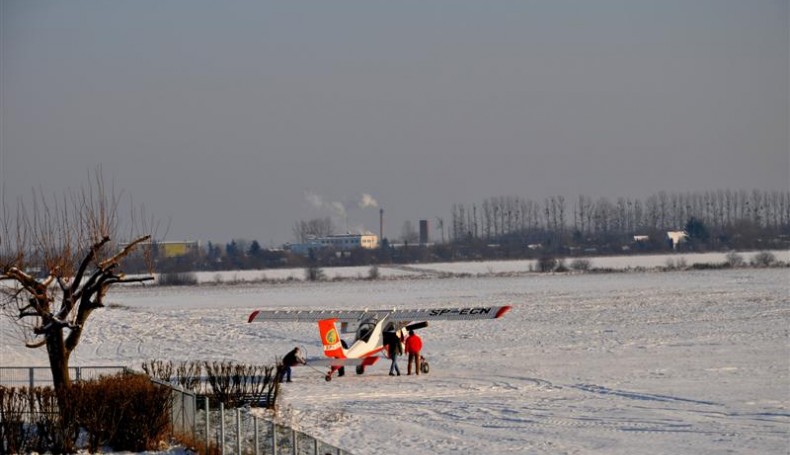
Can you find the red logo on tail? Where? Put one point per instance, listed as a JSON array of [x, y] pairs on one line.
[[332, 346]]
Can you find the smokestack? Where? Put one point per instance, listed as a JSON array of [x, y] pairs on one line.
[[423, 232], [381, 225]]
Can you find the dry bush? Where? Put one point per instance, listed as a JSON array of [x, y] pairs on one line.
[[188, 375], [50, 433], [228, 383], [195, 445], [159, 369], [735, 260], [147, 418], [99, 408], [13, 436], [124, 411], [177, 279], [29, 422], [764, 259], [237, 384], [581, 265], [547, 264]]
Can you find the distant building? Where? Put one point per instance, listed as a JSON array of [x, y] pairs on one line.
[[340, 242], [677, 237], [173, 249]]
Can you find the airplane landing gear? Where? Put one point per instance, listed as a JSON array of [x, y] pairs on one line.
[[341, 371], [360, 369]]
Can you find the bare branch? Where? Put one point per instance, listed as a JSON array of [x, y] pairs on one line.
[[37, 344], [86, 261], [124, 252]]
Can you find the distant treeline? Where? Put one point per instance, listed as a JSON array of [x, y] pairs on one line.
[[724, 214], [520, 228]]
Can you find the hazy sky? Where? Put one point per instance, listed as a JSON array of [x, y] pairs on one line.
[[235, 119]]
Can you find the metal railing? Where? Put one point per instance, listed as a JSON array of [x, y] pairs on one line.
[[233, 431], [238, 431], [42, 376]]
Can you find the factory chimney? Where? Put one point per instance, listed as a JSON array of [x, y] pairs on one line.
[[381, 225], [423, 232]]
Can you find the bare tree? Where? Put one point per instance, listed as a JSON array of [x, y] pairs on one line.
[[317, 227], [408, 233], [58, 259]]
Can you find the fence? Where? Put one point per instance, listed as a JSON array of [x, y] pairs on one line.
[[42, 376], [233, 431], [238, 431]]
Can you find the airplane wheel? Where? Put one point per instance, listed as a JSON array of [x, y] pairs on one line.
[[360, 369], [425, 368], [328, 377]]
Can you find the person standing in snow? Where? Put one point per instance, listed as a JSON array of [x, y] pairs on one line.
[[392, 344], [291, 359], [413, 348]]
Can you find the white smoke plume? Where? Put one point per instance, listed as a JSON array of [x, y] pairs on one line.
[[316, 200], [338, 209], [367, 201]]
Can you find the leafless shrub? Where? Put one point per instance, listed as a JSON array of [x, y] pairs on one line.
[[177, 279], [12, 426], [159, 369], [763, 259], [235, 384], [735, 260], [547, 264], [188, 375], [581, 265]]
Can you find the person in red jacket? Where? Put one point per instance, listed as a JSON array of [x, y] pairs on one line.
[[413, 348]]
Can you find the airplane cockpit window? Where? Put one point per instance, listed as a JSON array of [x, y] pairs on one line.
[[365, 330]]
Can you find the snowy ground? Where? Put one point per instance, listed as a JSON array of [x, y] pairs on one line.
[[623, 363]]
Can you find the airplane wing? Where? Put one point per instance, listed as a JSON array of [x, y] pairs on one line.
[[450, 313], [330, 362], [432, 314], [314, 315]]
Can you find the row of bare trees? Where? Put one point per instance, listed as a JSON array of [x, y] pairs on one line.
[[720, 211]]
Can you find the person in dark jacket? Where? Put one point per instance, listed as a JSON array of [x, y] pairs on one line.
[[393, 346], [413, 348], [291, 359]]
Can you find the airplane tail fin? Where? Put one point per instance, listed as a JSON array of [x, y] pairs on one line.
[[330, 339]]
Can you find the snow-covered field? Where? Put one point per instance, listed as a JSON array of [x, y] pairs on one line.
[[621, 363], [628, 262]]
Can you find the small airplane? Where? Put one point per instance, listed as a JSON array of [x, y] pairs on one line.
[[371, 328]]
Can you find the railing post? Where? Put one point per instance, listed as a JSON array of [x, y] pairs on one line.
[[238, 430], [222, 428], [315, 446], [257, 434], [208, 421], [32, 377], [274, 438], [295, 445]]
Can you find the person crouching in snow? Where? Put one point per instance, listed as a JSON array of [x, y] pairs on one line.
[[291, 359], [413, 348]]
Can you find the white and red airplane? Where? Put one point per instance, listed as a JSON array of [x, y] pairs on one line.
[[370, 327]]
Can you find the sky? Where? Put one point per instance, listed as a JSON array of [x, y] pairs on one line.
[[237, 119]]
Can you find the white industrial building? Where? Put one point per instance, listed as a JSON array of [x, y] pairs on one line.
[[340, 242]]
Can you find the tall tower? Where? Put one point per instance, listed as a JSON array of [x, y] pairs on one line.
[[423, 232], [381, 225]]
